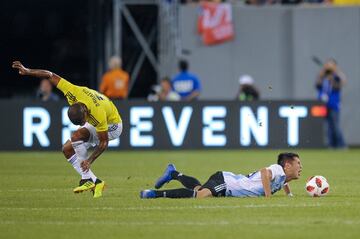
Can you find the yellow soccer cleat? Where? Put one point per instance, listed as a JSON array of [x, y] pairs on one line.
[[99, 188], [85, 186]]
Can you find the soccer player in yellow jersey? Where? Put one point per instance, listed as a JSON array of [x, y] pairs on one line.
[[99, 122]]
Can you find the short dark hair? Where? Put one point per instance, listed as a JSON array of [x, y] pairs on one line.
[[167, 79], [284, 157], [183, 65], [76, 114]]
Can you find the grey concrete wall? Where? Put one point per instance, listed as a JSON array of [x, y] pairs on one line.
[[275, 46], [329, 32]]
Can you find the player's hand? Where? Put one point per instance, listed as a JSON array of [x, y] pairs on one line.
[[22, 69], [85, 165]]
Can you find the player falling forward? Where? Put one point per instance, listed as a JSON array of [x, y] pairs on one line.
[[99, 123], [264, 182]]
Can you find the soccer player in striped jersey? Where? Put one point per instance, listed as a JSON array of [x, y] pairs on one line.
[[263, 182], [99, 122]]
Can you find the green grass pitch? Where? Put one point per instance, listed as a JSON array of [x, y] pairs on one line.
[[36, 199]]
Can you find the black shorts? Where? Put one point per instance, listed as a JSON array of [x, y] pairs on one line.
[[216, 184]]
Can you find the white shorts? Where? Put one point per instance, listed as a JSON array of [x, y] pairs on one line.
[[114, 132]]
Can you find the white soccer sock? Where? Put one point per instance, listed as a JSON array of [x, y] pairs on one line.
[[89, 174], [75, 163], [81, 155]]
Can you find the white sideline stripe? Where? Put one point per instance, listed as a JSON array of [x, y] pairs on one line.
[[176, 223], [176, 207]]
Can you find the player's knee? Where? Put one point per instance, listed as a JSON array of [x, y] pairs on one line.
[[76, 136], [81, 134], [68, 150]]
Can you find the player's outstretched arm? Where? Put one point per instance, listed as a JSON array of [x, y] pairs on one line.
[[287, 189], [265, 179], [44, 74]]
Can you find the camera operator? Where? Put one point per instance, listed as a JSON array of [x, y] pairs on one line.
[[329, 83]]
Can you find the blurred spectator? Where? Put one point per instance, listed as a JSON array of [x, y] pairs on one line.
[[166, 93], [115, 82], [329, 83], [44, 93], [247, 90], [163, 92], [154, 93], [187, 85]]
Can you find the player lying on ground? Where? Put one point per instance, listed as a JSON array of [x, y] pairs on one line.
[[99, 122], [226, 184]]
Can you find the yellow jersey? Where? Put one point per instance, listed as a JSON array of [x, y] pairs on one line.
[[102, 111]]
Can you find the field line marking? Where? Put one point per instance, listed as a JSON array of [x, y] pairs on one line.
[[150, 208], [184, 223]]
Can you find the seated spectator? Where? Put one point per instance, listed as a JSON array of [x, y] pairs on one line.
[[44, 93], [187, 85], [247, 90], [115, 82], [166, 93]]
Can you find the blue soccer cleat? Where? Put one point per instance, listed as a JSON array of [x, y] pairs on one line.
[[166, 177], [147, 194]]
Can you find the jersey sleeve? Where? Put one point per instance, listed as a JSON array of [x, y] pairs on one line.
[[64, 86], [276, 170]]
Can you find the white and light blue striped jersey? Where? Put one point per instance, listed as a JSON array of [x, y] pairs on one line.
[[251, 185]]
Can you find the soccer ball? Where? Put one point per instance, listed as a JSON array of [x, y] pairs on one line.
[[317, 186]]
